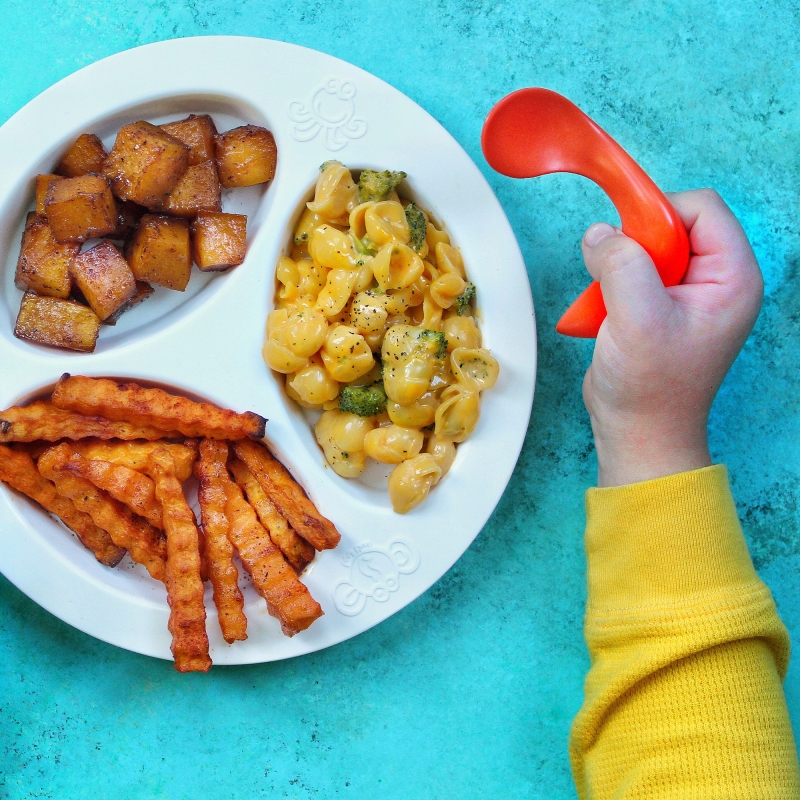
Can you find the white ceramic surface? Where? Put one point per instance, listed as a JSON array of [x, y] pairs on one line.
[[207, 341]]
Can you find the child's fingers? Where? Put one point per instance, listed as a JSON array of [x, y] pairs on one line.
[[707, 218], [632, 289], [720, 250]]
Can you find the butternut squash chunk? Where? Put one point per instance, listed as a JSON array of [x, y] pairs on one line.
[[245, 156], [104, 278], [145, 164], [43, 264], [197, 132], [42, 183], [198, 190], [56, 322], [160, 251], [219, 241], [80, 208], [87, 155]]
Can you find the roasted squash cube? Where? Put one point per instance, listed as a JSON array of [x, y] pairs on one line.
[[219, 241], [197, 190], [42, 182], [43, 264], [80, 208], [160, 251], [197, 132], [56, 322], [85, 156], [245, 156], [143, 291], [104, 278], [145, 164]]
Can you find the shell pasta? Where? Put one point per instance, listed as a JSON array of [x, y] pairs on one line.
[[374, 326]]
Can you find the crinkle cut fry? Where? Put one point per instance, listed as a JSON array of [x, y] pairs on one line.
[[19, 471], [287, 598], [154, 407], [142, 541], [210, 470], [42, 420], [287, 495], [136, 491], [297, 551], [187, 616], [134, 454]]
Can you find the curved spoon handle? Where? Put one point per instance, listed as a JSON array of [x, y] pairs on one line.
[[535, 132]]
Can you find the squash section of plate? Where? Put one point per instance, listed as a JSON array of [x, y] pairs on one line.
[[205, 341]]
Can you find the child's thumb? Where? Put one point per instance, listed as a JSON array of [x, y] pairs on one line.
[[632, 288]]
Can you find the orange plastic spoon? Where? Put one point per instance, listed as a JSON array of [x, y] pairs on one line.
[[535, 132]]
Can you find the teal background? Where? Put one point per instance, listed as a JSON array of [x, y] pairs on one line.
[[468, 692]]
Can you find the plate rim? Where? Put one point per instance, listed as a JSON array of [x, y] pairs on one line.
[[510, 457]]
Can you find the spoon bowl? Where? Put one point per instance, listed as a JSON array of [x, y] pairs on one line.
[[534, 132]]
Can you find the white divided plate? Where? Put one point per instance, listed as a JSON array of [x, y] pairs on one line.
[[207, 340]]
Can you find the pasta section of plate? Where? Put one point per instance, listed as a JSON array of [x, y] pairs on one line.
[[374, 326]]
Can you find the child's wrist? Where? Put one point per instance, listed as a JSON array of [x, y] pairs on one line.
[[635, 450]]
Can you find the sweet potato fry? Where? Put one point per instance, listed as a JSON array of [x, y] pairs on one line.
[[297, 551], [136, 491], [19, 471], [135, 454], [42, 420], [287, 496], [187, 618], [210, 470], [137, 536], [129, 401], [287, 598]]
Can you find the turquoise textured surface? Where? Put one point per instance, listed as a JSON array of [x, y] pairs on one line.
[[469, 692]]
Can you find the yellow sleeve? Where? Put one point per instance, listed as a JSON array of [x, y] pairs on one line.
[[683, 699]]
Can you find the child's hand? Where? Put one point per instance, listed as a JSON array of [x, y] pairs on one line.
[[661, 354]]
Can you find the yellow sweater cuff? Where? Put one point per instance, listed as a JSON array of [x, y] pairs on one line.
[[664, 542]]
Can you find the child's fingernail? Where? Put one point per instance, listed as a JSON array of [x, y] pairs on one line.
[[596, 233]]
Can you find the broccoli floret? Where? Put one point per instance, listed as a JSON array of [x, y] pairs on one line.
[[366, 401], [437, 339], [363, 246], [417, 224], [465, 298], [373, 185]]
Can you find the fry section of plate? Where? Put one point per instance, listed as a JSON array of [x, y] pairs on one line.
[[206, 341]]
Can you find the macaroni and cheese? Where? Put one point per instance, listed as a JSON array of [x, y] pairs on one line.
[[374, 326]]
